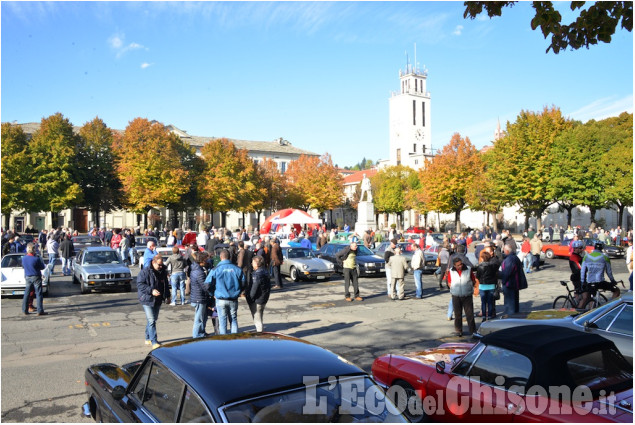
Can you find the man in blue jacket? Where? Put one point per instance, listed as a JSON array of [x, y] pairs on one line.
[[513, 280], [33, 266], [226, 278]]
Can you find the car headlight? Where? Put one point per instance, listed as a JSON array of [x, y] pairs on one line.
[[124, 275], [93, 276], [305, 267], [331, 266]]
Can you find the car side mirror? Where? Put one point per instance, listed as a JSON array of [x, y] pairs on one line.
[[118, 392], [589, 325], [440, 367]]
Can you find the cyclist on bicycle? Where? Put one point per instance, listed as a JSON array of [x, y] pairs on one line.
[[575, 262], [592, 271]]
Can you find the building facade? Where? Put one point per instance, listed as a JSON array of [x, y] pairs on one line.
[[279, 150]]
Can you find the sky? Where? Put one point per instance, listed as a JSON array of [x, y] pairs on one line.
[[318, 74]]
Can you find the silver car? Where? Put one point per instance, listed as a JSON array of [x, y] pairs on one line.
[[301, 263], [101, 268], [613, 320]]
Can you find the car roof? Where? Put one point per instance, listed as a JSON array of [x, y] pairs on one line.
[[548, 348], [97, 248], [228, 368]]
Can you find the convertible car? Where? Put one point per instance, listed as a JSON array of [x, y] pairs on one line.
[[301, 263], [613, 321], [250, 377], [562, 249], [525, 374]]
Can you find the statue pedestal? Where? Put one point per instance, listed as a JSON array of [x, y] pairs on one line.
[[365, 217]]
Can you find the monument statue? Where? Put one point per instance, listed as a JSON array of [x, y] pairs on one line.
[[366, 189]]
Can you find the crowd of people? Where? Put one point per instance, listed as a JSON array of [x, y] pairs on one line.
[[249, 267]]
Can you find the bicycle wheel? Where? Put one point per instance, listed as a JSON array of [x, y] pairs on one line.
[[562, 301]]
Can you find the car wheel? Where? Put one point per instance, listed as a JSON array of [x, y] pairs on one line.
[[549, 254], [83, 288], [75, 281], [294, 275], [411, 410], [562, 302]]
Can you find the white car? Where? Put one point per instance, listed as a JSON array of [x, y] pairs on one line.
[[13, 280]]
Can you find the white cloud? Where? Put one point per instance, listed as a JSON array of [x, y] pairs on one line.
[[458, 30], [117, 43], [604, 108], [146, 65]]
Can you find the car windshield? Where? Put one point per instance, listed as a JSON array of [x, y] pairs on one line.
[[362, 250], [322, 403], [591, 315], [12, 261], [86, 240], [299, 253], [101, 257]]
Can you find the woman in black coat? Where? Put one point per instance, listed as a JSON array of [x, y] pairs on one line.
[[257, 292]]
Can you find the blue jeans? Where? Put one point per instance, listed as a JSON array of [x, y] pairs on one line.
[[36, 282], [450, 309], [487, 304], [133, 255], [178, 279], [52, 258], [124, 254], [529, 259], [510, 302], [227, 308], [152, 315], [418, 274], [200, 320], [67, 266]]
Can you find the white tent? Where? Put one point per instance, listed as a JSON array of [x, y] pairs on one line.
[[296, 217]]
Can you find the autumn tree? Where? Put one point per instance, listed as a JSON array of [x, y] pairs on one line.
[[523, 161], [617, 163], [391, 186], [596, 23], [314, 182], [228, 176], [483, 195], [273, 183], [15, 171], [150, 166], [53, 180], [96, 168], [449, 176]]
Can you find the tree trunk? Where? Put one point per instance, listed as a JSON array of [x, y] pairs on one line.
[[457, 221], [223, 219], [526, 222], [593, 210], [96, 218], [145, 220], [538, 220], [569, 210], [7, 219], [620, 214]]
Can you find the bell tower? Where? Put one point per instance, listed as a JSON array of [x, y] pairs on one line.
[[409, 111]]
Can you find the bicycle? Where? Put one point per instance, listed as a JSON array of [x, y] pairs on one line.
[[570, 301]]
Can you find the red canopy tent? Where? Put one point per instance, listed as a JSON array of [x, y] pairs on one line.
[[269, 224]]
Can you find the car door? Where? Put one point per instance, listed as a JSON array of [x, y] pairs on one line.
[[284, 267], [482, 386]]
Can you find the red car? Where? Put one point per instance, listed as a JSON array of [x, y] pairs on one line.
[[533, 373]]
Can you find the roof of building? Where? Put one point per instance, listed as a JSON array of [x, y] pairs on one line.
[[279, 145], [357, 177]]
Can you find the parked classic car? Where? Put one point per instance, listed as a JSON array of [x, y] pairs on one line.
[[301, 263], [82, 241], [613, 321], [101, 268], [368, 263], [562, 249], [13, 280], [523, 374], [141, 243], [430, 263], [250, 377]]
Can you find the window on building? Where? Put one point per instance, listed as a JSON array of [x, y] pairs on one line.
[[414, 112], [283, 167], [416, 162], [416, 87], [414, 147], [398, 156], [423, 114]]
